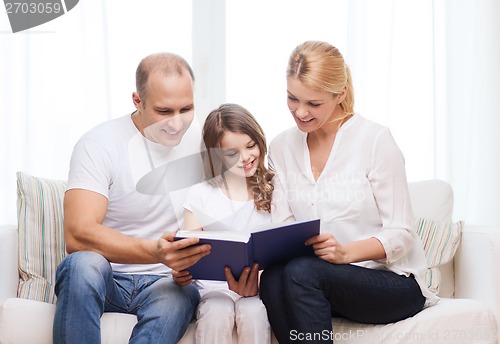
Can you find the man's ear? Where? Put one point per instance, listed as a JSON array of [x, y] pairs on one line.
[[137, 100]]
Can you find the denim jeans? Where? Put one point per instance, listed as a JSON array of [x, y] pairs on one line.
[[302, 296], [86, 286]]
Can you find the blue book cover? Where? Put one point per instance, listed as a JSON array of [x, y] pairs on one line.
[[275, 243]]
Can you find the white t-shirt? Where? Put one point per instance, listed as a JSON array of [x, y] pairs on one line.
[[144, 182], [216, 206], [361, 193]]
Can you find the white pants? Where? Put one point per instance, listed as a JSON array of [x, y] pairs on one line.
[[218, 312]]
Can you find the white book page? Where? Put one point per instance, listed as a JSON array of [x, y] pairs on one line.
[[274, 225], [217, 235]]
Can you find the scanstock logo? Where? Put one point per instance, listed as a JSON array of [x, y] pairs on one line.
[[24, 15]]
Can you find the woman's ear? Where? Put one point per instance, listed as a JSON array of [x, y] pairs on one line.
[[342, 95]]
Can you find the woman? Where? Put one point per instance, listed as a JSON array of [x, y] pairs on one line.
[[349, 172]]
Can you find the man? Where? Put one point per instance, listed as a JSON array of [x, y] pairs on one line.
[[120, 239]]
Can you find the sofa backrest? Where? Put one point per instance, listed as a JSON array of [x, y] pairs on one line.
[[41, 243], [432, 199]]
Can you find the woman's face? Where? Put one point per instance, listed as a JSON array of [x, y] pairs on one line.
[[241, 154], [311, 109]]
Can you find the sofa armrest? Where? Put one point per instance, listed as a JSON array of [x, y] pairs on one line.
[[476, 266], [8, 262]]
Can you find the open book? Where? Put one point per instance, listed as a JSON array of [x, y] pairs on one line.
[[274, 243]]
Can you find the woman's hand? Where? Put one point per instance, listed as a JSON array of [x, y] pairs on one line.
[[182, 278], [328, 248], [247, 284]]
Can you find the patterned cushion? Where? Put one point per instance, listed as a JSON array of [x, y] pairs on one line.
[[440, 241], [41, 236]]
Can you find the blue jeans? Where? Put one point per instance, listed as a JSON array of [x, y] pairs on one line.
[[86, 286], [302, 296]]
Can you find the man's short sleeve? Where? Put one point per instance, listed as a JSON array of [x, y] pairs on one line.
[[90, 167]]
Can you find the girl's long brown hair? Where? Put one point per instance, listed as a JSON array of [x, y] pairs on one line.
[[236, 119]]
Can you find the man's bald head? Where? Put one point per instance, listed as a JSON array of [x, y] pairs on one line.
[[166, 63]]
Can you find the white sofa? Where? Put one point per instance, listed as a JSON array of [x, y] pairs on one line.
[[467, 313]]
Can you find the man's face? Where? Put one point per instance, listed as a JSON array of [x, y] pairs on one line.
[[168, 108]]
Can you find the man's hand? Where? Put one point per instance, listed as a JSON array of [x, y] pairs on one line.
[[84, 212], [182, 278], [248, 283], [180, 254]]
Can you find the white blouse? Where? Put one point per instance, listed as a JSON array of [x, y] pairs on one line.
[[362, 192]]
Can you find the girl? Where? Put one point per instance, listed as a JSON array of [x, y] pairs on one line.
[[237, 193]]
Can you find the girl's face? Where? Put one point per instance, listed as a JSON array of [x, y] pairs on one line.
[[312, 109], [241, 154]]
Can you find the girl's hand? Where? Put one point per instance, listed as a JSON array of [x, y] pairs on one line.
[[328, 248], [247, 285], [182, 278]]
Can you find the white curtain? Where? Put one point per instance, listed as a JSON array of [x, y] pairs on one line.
[[64, 77], [469, 76], [387, 43], [428, 69]]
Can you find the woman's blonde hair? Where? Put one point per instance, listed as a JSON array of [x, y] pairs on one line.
[[236, 119], [321, 66]]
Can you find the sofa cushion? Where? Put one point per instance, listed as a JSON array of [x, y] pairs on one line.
[[41, 235], [433, 200], [28, 321], [457, 321], [440, 240]]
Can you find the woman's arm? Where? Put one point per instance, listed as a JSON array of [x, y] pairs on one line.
[[390, 190]]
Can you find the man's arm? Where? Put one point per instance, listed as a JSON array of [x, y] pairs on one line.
[[84, 212]]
